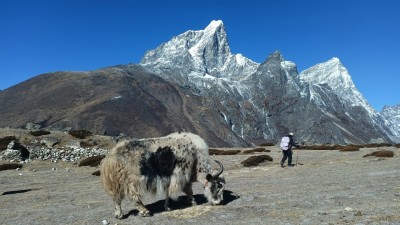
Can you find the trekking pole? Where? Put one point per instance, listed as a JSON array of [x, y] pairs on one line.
[[297, 157]]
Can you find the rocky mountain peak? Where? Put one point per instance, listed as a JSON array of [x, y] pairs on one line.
[[275, 64], [275, 57], [215, 26], [203, 60], [331, 72], [391, 108], [199, 54], [212, 49]]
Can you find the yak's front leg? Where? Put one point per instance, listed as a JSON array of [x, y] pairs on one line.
[[189, 192], [166, 203]]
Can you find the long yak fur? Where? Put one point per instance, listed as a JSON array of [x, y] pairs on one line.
[[164, 166]]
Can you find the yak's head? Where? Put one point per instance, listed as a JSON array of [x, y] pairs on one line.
[[214, 186]]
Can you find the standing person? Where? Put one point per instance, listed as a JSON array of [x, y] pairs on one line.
[[286, 145]]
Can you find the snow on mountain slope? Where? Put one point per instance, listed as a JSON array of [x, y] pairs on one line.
[[333, 74], [258, 101], [392, 115], [334, 77], [201, 53]]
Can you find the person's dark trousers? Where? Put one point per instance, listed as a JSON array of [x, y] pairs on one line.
[[287, 155]]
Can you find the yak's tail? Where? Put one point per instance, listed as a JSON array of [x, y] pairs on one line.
[[111, 176]]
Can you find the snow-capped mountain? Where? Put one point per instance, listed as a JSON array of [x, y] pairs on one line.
[[195, 83], [392, 115], [333, 74], [202, 54], [264, 101]]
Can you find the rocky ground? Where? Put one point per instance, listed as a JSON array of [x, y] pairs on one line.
[[326, 187]]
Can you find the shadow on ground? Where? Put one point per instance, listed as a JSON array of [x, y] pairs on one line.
[[181, 203], [17, 191]]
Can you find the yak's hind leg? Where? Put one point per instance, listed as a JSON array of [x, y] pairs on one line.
[[189, 192], [143, 211], [118, 210]]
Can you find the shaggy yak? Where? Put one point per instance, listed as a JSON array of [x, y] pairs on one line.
[[165, 166]]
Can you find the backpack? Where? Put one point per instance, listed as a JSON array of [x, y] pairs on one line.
[[285, 143]]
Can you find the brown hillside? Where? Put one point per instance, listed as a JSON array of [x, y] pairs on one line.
[[111, 101]]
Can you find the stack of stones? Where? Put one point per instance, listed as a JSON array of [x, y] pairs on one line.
[[39, 152]]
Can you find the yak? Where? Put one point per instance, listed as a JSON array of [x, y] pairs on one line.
[[165, 166]]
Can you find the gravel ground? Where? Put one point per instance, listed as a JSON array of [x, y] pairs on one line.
[[330, 187]]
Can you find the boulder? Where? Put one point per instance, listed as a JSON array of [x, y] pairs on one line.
[[50, 141], [32, 126], [15, 151]]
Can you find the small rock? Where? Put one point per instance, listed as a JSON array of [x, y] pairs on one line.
[[32, 126], [49, 141], [348, 209], [20, 174], [18, 169], [34, 170], [358, 213], [105, 222]]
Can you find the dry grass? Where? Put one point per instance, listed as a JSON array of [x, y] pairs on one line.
[[322, 147], [81, 134], [190, 212], [255, 160], [213, 151], [267, 144], [256, 150], [10, 166], [92, 161], [382, 153], [349, 148], [376, 145], [344, 147], [38, 133]]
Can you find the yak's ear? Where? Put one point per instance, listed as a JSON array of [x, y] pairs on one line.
[[209, 177]]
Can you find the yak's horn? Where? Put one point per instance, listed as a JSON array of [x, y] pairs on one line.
[[221, 169]]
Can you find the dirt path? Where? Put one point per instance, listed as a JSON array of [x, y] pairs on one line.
[[331, 187]]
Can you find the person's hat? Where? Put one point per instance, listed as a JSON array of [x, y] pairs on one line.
[[291, 134]]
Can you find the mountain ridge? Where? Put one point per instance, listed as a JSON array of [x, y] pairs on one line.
[[336, 81], [194, 83]]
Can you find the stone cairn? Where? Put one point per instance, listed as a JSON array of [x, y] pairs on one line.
[[15, 152]]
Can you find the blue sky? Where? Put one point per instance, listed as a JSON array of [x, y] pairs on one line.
[[40, 36]]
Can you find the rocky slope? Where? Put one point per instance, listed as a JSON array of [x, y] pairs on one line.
[[392, 116], [121, 99], [265, 100]]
